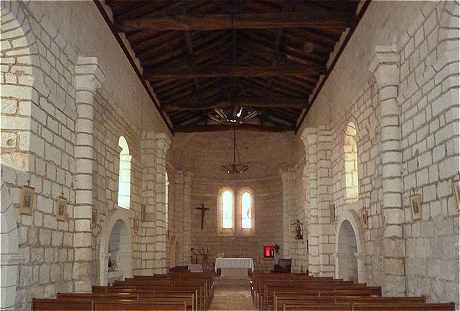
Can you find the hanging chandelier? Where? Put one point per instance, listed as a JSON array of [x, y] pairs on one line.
[[236, 167]]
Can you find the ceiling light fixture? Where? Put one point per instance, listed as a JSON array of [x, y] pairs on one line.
[[236, 167]]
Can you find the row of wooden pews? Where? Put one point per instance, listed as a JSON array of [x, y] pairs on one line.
[[301, 292], [182, 291]]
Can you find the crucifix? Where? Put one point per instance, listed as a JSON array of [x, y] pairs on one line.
[[203, 212]]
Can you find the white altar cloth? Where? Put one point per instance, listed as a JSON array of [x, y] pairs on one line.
[[234, 263]]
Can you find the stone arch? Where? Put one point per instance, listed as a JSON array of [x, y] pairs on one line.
[[349, 242], [18, 96], [118, 224]]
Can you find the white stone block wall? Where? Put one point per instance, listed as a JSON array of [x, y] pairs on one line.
[[89, 78], [429, 103], [147, 230], [408, 127], [38, 127], [162, 143], [106, 173], [50, 138]]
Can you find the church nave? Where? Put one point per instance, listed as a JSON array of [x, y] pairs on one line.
[[150, 148]]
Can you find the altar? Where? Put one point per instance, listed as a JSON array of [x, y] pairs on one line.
[[234, 268]]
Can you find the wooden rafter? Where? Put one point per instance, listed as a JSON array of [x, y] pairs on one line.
[[211, 22], [254, 102], [225, 127], [263, 55], [230, 71]]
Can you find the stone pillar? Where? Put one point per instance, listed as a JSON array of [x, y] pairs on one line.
[[324, 199], [288, 217], [176, 218], [386, 71], [147, 228], [309, 138], [187, 210], [89, 78], [182, 216], [162, 143]]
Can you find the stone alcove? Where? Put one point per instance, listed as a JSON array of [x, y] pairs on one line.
[[115, 239], [349, 263]]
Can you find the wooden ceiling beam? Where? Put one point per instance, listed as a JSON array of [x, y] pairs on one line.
[[229, 127], [211, 22], [253, 102], [231, 71]]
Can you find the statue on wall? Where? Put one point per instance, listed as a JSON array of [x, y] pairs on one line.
[[298, 229]]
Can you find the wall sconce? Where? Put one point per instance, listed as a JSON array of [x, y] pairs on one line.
[[456, 189], [61, 204], [28, 199], [416, 204], [298, 229]]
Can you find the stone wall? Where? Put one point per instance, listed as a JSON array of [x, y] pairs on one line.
[[403, 100], [268, 214], [38, 137], [203, 154], [52, 95]]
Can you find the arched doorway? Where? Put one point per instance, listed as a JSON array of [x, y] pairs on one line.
[[347, 250], [115, 249]]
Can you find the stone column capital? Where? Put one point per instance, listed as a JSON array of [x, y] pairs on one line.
[[384, 65], [308, 136], [286, 174], [163, 141], [89, 75]]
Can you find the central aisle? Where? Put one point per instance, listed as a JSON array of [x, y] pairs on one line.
[[231, 294]]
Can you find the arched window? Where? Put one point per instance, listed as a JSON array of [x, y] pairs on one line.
[[226, 211], [351, 163], [246, 211], [124, 175]]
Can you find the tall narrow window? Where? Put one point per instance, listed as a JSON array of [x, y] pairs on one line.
[[227, 207], [351, 162], [246, 211], [124, 175], [226, 212]]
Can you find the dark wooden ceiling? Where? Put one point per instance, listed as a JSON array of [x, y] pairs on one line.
[[214, 62]]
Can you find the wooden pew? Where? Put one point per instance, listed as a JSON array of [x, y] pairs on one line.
[[295, 299], [319, 290], [53, 304], [126, 306], [372, 307], [145, 292], [404, 307], [200, 295], [166, 299], [300, 300]]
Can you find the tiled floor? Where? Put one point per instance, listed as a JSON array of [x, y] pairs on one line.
[[231, 294]]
